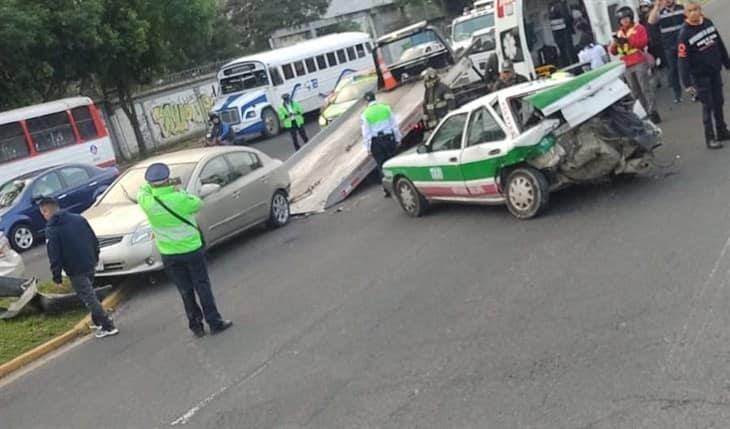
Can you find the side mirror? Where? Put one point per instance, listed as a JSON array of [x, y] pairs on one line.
[[422, 148], [209, 189], [99, 192]]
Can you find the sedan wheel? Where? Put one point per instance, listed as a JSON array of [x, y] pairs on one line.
[[412, 202], [280, 212], [527, 192], [22, 238]]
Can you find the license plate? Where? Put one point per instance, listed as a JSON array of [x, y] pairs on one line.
[[100, 266]]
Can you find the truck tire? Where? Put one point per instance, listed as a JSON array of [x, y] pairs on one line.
[[271, 122], [411, 200], [527, 192]]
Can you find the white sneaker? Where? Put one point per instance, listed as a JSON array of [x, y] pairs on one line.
[[101, 333]]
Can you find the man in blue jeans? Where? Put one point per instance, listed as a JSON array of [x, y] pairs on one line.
[[171, 214], [74, 248]]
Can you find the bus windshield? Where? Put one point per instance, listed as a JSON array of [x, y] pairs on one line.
[[244, 82], [410, 48], [125, 190], [464, 29]]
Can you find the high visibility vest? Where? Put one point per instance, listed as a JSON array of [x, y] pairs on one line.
[[377, 113], [172, 236], [626, 49], [291, 114]]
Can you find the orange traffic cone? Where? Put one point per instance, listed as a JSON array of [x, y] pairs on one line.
[[389, 81]]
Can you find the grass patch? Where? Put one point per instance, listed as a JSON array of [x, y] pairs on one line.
[[7, 302], [25, 332], [49, 287]]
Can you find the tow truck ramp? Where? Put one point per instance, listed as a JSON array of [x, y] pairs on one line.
[[331, 166]]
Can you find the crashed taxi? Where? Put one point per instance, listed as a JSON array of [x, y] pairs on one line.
[[515, 146]]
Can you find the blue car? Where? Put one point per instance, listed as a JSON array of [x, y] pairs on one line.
[[76, 186]]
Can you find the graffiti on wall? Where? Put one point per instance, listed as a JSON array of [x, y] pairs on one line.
[[180, 116]]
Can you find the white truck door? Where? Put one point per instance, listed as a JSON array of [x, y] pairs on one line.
[[510, 36]]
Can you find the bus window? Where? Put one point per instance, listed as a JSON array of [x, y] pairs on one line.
[[244, 82], [311, 68], [369, 47], [351, 54], [299, 67], [84, 123], [51, 131], [276, 77], [341, 56], [12, 142], [331, 59], [288, 71], [321, 62], [360, 50]]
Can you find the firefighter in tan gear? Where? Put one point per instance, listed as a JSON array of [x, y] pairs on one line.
[[438, 101]]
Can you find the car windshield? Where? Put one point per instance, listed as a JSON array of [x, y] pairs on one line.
[[124, 190], [355, 90], [11, 191], [464, 29], [415, 46]]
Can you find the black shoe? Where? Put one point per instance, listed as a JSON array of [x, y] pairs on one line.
[[714, 144], [386, 194], [655, 118], [198, 332], [222, 327], [723, 135]]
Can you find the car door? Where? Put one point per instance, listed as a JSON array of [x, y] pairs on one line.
[[77, 191], [486, 145], [439, 172], [251, 191], [219, 208], [47, 185]]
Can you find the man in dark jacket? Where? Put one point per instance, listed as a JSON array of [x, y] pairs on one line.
[[508, 77], [438, 99], [73, 248], [702, 54]]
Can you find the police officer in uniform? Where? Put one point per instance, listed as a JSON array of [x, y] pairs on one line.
[[171, 215], [669, 17], [291, 116], [438, 101], [561, 24], [701, 56], [508, 77], [380, 132]]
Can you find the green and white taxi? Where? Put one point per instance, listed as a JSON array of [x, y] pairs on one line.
[[517, 145]]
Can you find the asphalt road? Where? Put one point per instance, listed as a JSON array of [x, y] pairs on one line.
[[609, 311], [281, 147]]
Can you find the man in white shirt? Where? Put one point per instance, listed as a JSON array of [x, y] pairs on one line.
[[593, 54]]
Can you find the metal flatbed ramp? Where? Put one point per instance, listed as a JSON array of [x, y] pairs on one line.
[[326, 170]]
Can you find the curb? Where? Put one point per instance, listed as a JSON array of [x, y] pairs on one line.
[[82, 328]]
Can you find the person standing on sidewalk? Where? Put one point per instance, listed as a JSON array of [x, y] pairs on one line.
[[701, 56], [171, 214], [669, 17], [629, 43], [292, 118], [380, 132], [73, 247]]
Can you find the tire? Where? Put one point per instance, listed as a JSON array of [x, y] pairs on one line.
[[22, 237], [271, 122], [280, 213], [411, 200], [527, 192]]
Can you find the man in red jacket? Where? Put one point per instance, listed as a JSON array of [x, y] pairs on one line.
[[630, 43]]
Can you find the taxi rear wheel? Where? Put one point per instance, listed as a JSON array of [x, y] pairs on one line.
[[412, 201], [527, 192]]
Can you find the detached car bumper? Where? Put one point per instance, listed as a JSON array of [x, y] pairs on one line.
[[124, 258]]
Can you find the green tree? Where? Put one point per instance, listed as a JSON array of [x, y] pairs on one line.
[[255, 20], [142, 39]]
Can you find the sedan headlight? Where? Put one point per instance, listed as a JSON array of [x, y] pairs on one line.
[[323, 121], [142, 234]]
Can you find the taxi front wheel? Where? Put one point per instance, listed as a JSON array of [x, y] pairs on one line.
[[412, 201], [527, 192]]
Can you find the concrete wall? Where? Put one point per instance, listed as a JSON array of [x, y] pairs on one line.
[[166, 116]]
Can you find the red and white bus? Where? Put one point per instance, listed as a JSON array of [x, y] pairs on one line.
[[48, 134]]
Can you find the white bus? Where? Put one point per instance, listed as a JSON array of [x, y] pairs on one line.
[[49, 134], [251, 87]]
